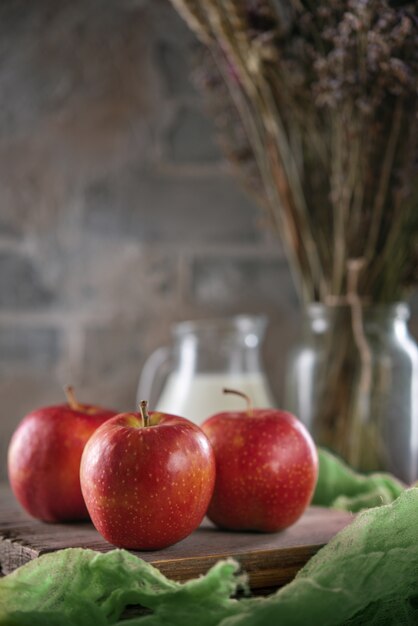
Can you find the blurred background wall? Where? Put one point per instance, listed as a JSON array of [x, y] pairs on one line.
[[118, 214]]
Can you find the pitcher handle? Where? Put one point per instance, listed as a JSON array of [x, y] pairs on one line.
[[150, 371]]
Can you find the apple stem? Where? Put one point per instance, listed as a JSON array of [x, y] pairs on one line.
[[71, 398], [143, 407], [241, 394]]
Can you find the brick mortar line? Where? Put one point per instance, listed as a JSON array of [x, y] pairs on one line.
[[58, 319], [188, 169], [262, 249], [244, 252]]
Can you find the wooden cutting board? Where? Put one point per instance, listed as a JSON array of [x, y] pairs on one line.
[[271, 560]]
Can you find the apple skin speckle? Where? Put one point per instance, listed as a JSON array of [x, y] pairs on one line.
[[266, 469], [147, 487]]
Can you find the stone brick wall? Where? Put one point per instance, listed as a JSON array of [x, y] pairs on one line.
[[118, 214]]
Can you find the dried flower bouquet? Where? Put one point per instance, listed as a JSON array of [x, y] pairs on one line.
[[317, 107]]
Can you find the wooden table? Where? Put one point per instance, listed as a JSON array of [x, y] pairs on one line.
[[271, 560]]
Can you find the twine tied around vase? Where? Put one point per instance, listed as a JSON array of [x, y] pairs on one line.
[[354, 301]]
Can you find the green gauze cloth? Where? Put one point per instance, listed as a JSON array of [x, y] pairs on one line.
[[341, 487], [79, 587], [367, 574]]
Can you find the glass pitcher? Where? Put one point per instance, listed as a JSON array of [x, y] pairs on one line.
[[205, 356]]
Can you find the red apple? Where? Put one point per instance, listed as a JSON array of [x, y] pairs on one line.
[[147, 479], [266, 469], [44, 458]]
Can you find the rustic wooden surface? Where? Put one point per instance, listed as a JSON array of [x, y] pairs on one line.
[[271, 560]]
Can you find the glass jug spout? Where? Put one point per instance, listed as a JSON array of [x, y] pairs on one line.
[[151, 376]]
